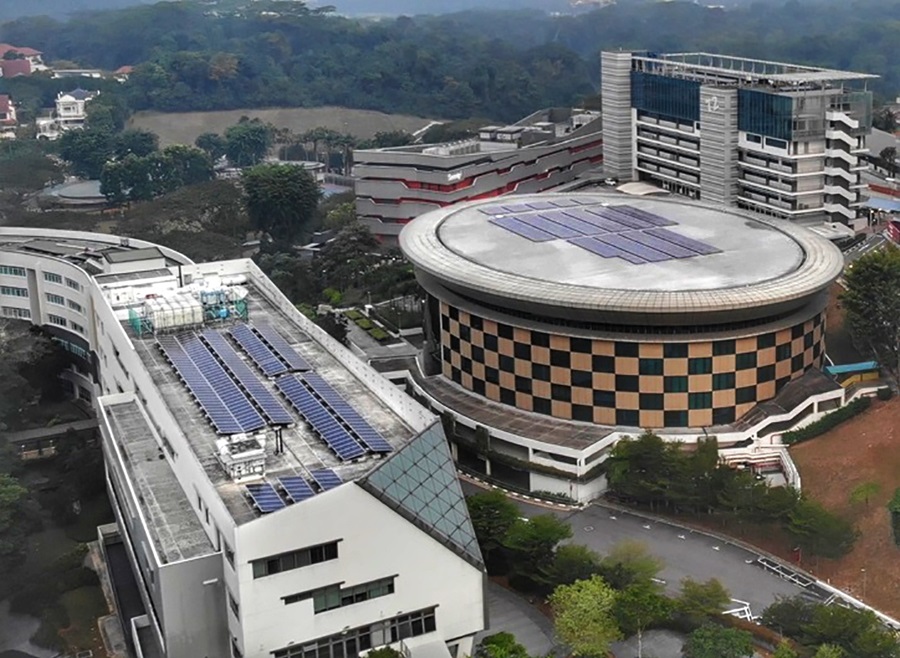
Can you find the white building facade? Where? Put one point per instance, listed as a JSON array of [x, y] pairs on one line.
[[386, 555]]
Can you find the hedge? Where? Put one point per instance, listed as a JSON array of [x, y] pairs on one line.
[[353, 314], [827, 422], [364, 323], [378, 334]]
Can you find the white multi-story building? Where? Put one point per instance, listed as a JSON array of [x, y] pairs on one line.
[[779, 139], [239, 528], [70, 114]]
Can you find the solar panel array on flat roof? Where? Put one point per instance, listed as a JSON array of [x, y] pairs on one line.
[[326, 478], [224, 386], [319, 418], [264, 497], [262, 356], [630, 234], [281, 347], [271, 407], [296, 488], [216, 405], [367, 435]]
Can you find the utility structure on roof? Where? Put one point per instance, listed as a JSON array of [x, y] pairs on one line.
[[780, 139], [274, 496]]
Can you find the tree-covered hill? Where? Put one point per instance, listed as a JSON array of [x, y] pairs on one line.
[[497, 64]]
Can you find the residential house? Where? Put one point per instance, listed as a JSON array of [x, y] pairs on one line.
[[11, 68], [70, 114], [8, 120], [32, 56]]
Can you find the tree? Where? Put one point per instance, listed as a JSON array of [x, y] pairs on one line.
[[341, 216], [863, 492], [829, 651], [247, 142], [13, 497], [633, 562], [698, 601], [642, 469], [885, 120], [348, 257], [214, 144], [571, 562], [107, 111], [493, 514], [711, 641], [384, 652], [187, 165], [583, 616], [819, 532], [391, 138], [135, 142], [500, 645], [784, 650], [871, 301], [531, 544], [638, 607], [335, 325], [280, 200], [86, 150], [888, 157], [790, 616]]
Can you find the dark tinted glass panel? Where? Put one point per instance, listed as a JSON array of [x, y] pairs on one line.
[[490, 342], [722, 347], [675, 384], [651, 401], [700, 366], [540, 372], [766, 340], [582, 345], [540, 339], [627, 383], [675, 350], [627, 349], [604, 363], [561, 393], [504, 331], [560, 358], [582, 378], [745, 360], [604, 399], [628, 417]]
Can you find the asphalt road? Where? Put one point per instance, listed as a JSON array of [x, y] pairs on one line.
[[685, 554]]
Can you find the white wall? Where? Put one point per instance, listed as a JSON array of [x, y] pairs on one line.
[[427, 573]]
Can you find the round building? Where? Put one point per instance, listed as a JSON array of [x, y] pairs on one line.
[[618, 311]]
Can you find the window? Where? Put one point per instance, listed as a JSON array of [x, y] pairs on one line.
[[766, 340], [677, 384], [491, 375], [797, 331], [235, 608], [560, 393], [11, 270], [583, 413], [505, 331], [700, 366], [745, 394], [723, 381], [675, 418], [506, 363], [57, 320], [77, 327], [651, 401], [295, 559], [490, 342], [723, 347], [723, 416], [627, 349], [540, 372], [13, 292], [540, 339], [651, 366], [603, 363], [56, 299], [582, 378], [581, 345], [700, 400], [522, 351], [73, 284], [783, 352], [604, 399], [75, 306], [628, 383], [18, 313], [745, 361], [675, 350], [560, 358], [627, 417], [52, 277]]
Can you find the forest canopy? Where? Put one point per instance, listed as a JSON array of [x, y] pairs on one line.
[[500, 64]]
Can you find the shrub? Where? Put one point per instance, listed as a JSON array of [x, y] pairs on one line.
[[379, 334], [884, 393], [353, 314], [827, 422], [364, 323]]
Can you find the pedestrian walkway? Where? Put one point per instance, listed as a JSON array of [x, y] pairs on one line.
[[511, 613]]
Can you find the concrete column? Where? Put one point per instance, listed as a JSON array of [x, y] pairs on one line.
[[615, 90], [718, 144]]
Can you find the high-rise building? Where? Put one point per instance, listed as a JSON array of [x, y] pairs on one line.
[[274, 496], [780, 139]]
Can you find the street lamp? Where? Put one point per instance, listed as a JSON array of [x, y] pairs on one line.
[[863, 571]]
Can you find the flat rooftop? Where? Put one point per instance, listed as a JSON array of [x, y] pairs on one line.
[[175, 529], [752, 70], [304, 451], [603, 251]]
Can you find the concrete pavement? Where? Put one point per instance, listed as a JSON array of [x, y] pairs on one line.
[[509, 612]]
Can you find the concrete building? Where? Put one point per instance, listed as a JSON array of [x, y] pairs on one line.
[[70, 114], [8, 120], [560, 323], [542, 151], [302, 507], [780, 139]]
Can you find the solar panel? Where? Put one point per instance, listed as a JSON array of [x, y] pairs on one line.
[[583, 228], [265, 498], [694, 245], [649, 217], [513, 225], [606, 251], [668, 248], [636, 248], [319, 418], [326, 478], [604, 225], [212, 405], [620, 218], [233, 397], [541, 205], [261, 355], [368, 435], [544, 224], [281, 347], [271, 407], [296, 488]]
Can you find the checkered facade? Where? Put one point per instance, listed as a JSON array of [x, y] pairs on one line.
[[635, 384]]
